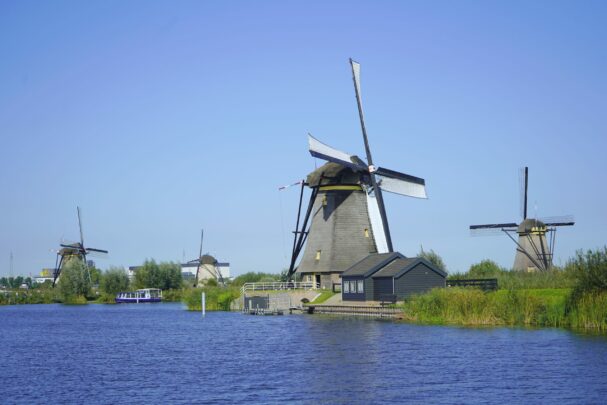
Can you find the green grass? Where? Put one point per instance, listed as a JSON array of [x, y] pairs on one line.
[[324, 295], [532, 307]]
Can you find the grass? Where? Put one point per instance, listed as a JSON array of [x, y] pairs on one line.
[[217, 298], [324, 296]]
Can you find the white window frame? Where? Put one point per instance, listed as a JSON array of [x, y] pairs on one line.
[[346, 286], [360, 286]]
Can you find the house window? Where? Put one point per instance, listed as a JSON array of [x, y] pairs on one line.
[[346, 286], [353, 286], [361, 286], [366, 233], [318, 255]]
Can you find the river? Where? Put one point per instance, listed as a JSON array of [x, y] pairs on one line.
[[160, 353]]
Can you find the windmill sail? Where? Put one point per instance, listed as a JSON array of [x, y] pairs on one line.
[[376, 224], [325, 152], [400, 183]]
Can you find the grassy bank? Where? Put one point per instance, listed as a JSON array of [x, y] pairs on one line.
[[524, 307], [217, 298]]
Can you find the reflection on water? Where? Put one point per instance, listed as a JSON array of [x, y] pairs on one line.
[[151, 353]]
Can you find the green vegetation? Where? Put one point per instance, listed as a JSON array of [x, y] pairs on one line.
[[324, 295], [433, 257], [113, 281], [573, 297], [217, 298], [165, 275], [74, 283], [253, 277]]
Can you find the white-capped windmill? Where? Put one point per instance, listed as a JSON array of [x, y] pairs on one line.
[[346, 210], [74, 250], [534, 250]]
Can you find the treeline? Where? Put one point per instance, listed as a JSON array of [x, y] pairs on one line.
[[574, 296]]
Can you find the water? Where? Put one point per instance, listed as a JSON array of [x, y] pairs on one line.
[[160, 353]]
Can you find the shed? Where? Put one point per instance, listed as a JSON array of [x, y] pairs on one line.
[[356, 281], [383, 274], [404, 277]]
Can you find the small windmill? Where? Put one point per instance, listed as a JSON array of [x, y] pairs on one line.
[[536, 237], [346, 207], [74, 250], [208, 264]]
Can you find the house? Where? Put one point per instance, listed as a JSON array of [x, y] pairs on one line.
[[379, 275]]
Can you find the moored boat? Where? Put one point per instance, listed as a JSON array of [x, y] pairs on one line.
[[143, 295]]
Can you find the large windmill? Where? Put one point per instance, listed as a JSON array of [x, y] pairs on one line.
[[207, 266], [346, 210], [74, 250], [535, 242]]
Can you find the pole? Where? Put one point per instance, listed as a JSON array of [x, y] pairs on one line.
[[204, 304]]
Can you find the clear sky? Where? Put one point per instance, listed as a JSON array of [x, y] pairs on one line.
[[162, 118]]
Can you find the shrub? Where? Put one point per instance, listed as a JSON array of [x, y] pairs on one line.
[[74, 281], [433, 258]]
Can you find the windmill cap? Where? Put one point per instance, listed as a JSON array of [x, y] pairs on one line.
[[531, 225], [208, 259], [333, 173]]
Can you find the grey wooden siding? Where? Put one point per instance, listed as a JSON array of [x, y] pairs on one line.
[[382, 286], [354, 296], [417, 280], [337, 230]]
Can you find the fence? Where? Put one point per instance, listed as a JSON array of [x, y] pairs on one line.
[[485, 284], [273, 286]]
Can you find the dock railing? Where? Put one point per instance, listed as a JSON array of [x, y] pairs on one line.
[[282, 285]]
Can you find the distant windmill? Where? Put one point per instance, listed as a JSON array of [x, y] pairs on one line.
[[74, 250], [346, 208], [534, 251], [207, 264]]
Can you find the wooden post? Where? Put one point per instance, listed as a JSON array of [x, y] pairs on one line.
[[203, 301]]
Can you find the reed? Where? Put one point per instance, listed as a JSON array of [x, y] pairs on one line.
[[217, 298]]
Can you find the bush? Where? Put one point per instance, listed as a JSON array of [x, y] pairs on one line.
[[433, 258], [590, 271], [252, 277], [166, 275], [217, 298], [484, 269], [114, 280], [74, 282]]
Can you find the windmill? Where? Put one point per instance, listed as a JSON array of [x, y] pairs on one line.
[[536, 237], [206, 264], [346, 209], [74, 250]]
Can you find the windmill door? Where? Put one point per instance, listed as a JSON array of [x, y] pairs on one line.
[[317, 279]]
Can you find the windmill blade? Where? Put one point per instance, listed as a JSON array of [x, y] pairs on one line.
[[80, 227], [562, 220], [201, 236], [96, 250], [494, 226], [401, 183], [492, 229], [523, 187], [325, 152]]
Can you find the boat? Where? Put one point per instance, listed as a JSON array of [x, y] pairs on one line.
[[143, 295]]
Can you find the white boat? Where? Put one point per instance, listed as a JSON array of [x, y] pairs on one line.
[[143, 295]]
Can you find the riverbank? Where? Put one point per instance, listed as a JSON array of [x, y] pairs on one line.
[[525, 307]]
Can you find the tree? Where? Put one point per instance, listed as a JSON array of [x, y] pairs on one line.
[[485, 268], [165, 275], [74, 280], [114, 281], [433, 258], [4, 282]]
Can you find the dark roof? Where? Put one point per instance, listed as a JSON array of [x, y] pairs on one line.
[[399, 267], [371, 263]]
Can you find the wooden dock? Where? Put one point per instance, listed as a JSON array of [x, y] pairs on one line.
[[356, 310]]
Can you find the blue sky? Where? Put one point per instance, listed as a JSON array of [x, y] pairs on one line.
[[161, 118]]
